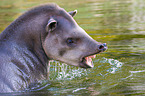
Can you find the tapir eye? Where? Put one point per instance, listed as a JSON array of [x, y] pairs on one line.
[[70, 41]]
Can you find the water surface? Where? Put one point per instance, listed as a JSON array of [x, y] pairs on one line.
[[118, 71]]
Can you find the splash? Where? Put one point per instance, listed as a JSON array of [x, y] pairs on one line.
[[61, 71], [115, 65]]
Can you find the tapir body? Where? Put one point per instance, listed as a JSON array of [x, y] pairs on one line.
[[44, 33]]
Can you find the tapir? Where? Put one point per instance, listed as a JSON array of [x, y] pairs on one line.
[[43, 33]]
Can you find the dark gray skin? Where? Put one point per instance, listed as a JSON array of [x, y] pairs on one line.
[[44, 33]]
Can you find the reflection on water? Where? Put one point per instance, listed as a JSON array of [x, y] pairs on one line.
[[118, 71]]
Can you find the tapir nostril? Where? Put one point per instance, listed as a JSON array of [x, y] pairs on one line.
[[101, 47]]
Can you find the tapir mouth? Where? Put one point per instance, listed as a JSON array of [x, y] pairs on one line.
[[87, 61]]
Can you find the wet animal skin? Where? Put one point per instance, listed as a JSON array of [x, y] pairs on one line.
[[41, 34]]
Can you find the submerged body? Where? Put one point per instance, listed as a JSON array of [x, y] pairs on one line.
[[39, 35]]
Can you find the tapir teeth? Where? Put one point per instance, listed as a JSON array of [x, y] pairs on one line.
[[88, 60]]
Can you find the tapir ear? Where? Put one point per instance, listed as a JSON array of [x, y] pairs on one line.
[[51, 25], [73, 13]]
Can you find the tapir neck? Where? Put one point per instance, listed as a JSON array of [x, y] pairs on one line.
[[26, 33], [28, 55], [23, 41]]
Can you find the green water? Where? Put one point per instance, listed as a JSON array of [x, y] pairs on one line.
[[120, 71]]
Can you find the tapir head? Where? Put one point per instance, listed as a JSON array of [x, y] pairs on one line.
[[67, 42]]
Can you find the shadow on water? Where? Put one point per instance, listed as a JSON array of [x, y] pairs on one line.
[[118, 71]]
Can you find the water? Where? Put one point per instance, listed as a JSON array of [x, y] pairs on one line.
[[117, 72]]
